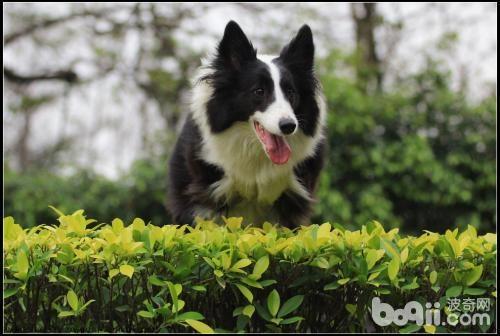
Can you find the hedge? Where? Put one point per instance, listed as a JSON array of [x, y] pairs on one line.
[[84, 276]]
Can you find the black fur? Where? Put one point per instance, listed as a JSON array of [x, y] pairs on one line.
[[237, 73], [190, 176], [242, 85]]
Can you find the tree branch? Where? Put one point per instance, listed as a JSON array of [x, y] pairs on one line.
[[9, 38], [68, 76]]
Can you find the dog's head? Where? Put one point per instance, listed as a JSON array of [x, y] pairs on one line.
[[275, 95]]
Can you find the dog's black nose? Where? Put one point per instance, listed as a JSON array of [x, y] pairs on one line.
[[287, 125]]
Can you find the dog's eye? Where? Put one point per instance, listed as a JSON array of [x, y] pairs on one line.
[[290, 92], [259, 92]]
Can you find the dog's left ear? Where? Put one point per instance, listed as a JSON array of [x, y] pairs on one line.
[[299, 53], [235, 49]]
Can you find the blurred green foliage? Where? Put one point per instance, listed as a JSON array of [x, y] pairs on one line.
[[415, 155], [141, 191]]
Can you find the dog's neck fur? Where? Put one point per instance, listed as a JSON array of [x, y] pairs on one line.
[[248, 173]]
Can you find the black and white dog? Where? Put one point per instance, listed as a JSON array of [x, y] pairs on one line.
[[253, 145]]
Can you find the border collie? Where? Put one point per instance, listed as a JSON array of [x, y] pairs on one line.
[[253, 144]]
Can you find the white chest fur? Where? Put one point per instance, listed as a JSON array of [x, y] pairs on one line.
[[249, 174]]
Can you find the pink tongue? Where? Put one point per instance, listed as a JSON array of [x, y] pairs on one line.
[[277, 148]]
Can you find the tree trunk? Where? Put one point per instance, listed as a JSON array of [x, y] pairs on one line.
[[368, 68]]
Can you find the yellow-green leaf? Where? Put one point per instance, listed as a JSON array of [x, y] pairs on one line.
[[261, 265], [72, 300], [113, 272], [66, 314], [393, 269], [127, 270], [404, 255], [200, 327], [429, 328], [372, 256], [248, 310], [117, 225], [246, 292], [241, 263], [22, 265], [138, 224], [273, 302], [225, 261], [233, 223], [433, 277], [343, 281]]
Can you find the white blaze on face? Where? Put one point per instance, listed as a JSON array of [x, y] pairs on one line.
[[280, 108], [267, 123]]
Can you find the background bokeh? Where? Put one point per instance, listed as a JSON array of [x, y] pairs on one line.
[[95, 94]]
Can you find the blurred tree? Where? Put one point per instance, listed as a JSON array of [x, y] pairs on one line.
[[420, 155], [368, 68]]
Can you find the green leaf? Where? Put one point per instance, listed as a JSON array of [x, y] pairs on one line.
[[240, 264], [474, 291], [199, 288], [173, 295], [343, 281], [290, 305], [262, 312], [127, 270], [191, 315], [248, 310], [261, 266], [473, 275], [433, 277], [200, 327], [276, 320], [9, 292], [320, 262], [66, 314], [268, 282], [180, 306], [82, 309], [238, 311], [154, 280], [123, 308], [273, 302], [246, 292], [454, 291], [292, 320], [251, 283], [72, 300], [146, 314], [331, 286]]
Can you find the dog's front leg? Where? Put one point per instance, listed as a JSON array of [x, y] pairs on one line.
[[293, 209]]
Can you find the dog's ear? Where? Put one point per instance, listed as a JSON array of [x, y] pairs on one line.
[[299, 53], [235, 49]]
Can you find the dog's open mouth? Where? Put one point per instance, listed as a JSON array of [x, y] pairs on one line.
[[276, 147]]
